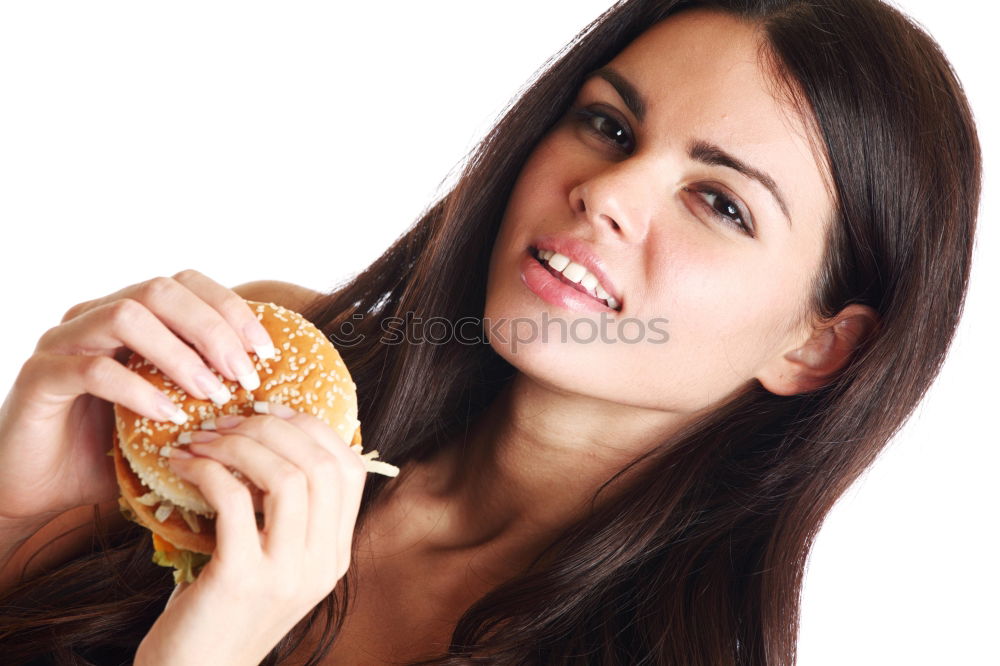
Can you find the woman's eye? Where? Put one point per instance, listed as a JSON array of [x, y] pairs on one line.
[[723, 208], [605, 127], [608, 129]]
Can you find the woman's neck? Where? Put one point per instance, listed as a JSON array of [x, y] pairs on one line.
[[526, 469]]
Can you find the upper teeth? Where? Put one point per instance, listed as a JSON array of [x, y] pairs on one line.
[[576, 273]]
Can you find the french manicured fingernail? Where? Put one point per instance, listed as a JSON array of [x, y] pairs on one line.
[[203, 437], [169, 410], [212, 387], [245, 373], [174, 452], [264, 352], [259, 340], [229, 421], [274, 408]]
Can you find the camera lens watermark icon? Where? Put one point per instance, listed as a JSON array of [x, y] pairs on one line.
[[346, 336]]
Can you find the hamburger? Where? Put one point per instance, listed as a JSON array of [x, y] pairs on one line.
[[304, 372]]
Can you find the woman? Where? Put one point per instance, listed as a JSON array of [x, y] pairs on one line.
[[730, 174]]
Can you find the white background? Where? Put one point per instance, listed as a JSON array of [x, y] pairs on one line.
[[294, 141]]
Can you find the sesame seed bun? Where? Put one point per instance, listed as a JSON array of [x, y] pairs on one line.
[[174, 528], [306, 374]]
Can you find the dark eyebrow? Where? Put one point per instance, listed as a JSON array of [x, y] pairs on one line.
[[633, 100], [710, 154], [700, 150]]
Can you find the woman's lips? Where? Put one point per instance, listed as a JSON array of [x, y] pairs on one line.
[[552, 287]]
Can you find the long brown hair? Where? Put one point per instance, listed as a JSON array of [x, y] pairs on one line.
[[713, 574]]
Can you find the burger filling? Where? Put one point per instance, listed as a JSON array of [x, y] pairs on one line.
[[165, 507], [187, 564]]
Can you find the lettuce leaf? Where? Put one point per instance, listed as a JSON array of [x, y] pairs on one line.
[[187, 564]]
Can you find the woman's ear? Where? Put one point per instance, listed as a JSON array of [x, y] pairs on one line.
[[815, 362]]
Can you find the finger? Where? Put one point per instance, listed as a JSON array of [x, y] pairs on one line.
[[194, 320], [352, 490], [316, 428], [129, 324], [237, 539], [343, 496], [233, 308], [60, 379], [285, 486], [334, 484]]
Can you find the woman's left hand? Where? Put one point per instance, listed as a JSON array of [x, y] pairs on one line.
[[260, 583]]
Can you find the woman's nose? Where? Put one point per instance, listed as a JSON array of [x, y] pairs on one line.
[[613, 200]]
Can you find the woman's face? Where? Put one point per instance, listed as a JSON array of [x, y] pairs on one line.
[[711, 265]]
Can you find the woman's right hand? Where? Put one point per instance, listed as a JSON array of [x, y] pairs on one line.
[[56, 422]]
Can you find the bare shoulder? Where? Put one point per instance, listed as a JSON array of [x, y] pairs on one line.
[[67, 535], [287, 295]]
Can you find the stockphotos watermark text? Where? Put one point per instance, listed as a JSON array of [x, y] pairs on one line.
[[475, 330]]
